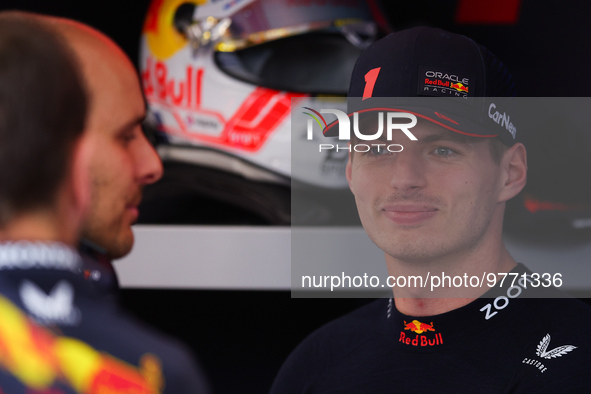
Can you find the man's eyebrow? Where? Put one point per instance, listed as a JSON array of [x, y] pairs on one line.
[[133, 123], [448, 136]]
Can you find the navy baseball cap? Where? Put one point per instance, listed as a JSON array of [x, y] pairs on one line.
[[436, 75]]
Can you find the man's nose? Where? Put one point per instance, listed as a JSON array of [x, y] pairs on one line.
[[407, 172], [148, 163]]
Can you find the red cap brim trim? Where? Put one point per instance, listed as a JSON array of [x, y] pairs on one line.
[[330, 126]]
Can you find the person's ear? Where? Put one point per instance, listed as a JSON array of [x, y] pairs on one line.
[[514, 171], [73, 196]]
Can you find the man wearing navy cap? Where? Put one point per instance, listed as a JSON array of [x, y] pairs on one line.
[[436, 209]]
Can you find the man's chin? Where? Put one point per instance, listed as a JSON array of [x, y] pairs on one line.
[[122, 246], [118, 247], [408, 249]]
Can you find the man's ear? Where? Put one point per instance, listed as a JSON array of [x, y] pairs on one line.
[[73, 196], [514, 171]]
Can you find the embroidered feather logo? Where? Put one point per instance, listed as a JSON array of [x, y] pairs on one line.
[[556, 352]]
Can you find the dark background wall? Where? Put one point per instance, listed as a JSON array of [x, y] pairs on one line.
[[241, 337]]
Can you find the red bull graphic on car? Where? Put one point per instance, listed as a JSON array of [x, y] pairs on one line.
[[163, 38]]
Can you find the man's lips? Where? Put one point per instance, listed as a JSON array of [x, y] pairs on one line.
[[133, 207], [409, 214], [134, 211]]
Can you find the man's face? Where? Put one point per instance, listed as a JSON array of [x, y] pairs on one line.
[[434, 199], [122, 162]]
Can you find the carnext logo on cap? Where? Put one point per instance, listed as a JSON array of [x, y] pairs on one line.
[[503, 120]]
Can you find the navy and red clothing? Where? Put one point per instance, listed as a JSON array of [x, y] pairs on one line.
[[97, 268], [504, 342], [48, 282]]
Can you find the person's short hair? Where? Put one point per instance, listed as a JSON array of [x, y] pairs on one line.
[[497, 149], [42, 112]]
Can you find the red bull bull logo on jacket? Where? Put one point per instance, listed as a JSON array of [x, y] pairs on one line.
[[419, 328]]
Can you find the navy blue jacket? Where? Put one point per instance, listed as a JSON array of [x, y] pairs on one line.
[[87, 341]]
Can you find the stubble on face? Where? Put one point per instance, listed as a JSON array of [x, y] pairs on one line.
[[453, 235], [107, 224], [458, 194], [116, 106], [116, 188]]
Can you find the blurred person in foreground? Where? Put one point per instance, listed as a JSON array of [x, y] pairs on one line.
[[57, 331], [436, 208], [122, 160]]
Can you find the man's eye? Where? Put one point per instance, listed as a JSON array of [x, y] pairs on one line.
[[128, 137], [443, 151], [377, 150]]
